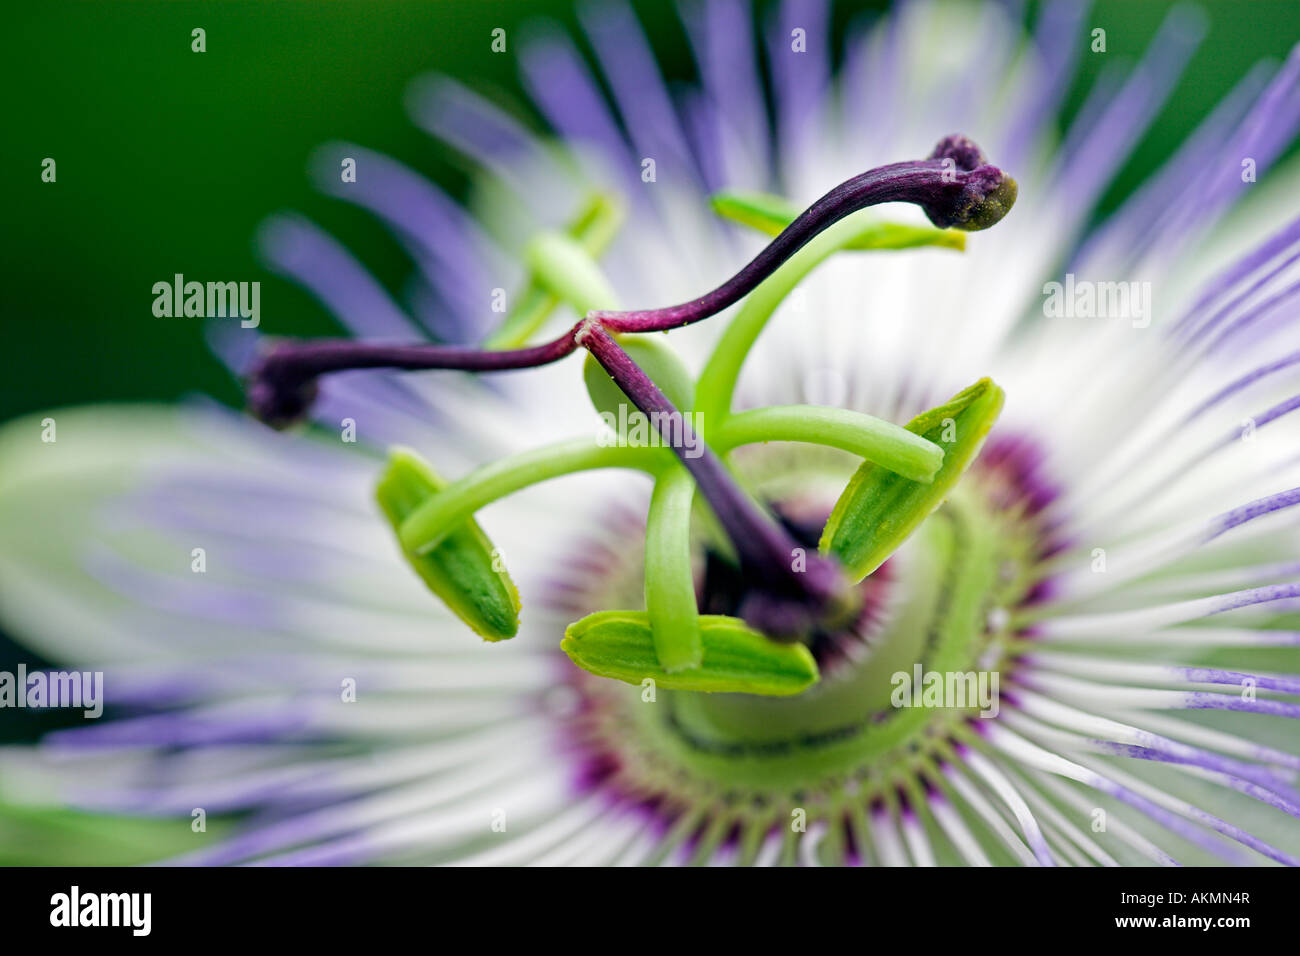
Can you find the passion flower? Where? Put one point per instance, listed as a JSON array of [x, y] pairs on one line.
[[758, 629]]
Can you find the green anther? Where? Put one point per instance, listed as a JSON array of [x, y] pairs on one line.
[[464, 570], [879, 509], [770, 214], [567, 270], [736, 659], [593, 229]]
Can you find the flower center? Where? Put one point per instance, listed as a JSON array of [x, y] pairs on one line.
[[723, 589], [942, 605]]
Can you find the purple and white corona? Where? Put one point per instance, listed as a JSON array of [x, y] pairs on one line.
[[959, 527]]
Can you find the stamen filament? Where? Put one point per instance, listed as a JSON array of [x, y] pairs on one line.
[[722, 371], [426, 527], [884, 443], [669, 579]]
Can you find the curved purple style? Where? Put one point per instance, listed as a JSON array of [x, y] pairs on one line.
[[955, 186]]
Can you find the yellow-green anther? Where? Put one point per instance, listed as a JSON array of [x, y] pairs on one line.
[[567, 270], [669, 577], [736, 659], [879, 508], [464, 570], [593, 229], [770, 214]]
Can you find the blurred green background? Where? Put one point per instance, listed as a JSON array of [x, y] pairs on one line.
[[168, 159]]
